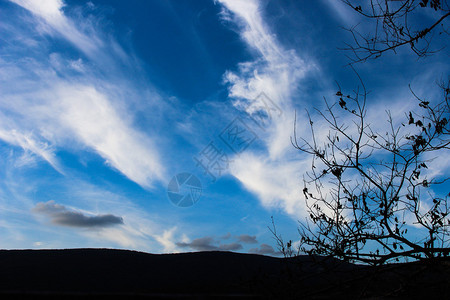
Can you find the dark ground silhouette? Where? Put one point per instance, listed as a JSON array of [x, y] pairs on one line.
[[114, 274]]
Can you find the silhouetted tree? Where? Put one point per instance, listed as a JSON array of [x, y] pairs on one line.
[[366, 188]]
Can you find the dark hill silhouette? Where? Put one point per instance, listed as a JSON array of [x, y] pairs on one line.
[[92, 273]]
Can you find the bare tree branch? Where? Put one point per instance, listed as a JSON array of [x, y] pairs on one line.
[[394, 26]]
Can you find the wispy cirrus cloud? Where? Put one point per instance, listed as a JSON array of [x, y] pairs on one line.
[[274, 175], [93, 119], [66, 89], [275, 71], [30, 144], [53, 101], [342, 11], [51, 19]]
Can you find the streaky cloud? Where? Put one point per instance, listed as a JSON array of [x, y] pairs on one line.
[[60, 215], [29, 143], [91, 117], [53, 102], [209, 244], [275, 72], [263, 249], [245, 238], [52, 19], [199, 244]]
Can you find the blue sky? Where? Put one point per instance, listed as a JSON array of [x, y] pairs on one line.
[[102, 103]]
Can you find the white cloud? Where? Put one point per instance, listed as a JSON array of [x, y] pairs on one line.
[[275, 177], [51, 102], [67, 113], [167, 240], [91, 117], [276, 72], [28, 143], [126, 236], [344, 12], [52, 18], [276, 183]]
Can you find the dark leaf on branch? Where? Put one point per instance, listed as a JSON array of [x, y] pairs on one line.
[[411, 119], [305, 192], [440, 125], [337, 172], [424, 104]]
